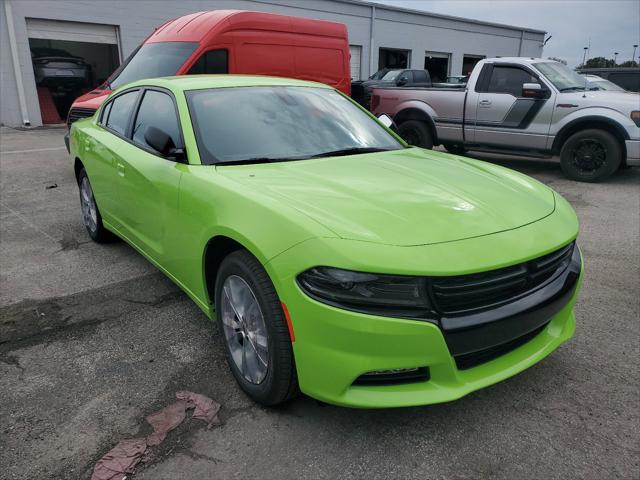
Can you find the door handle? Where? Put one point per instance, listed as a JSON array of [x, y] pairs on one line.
[[485, 103], [120, 168]]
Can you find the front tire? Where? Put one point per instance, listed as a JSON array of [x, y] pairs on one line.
[[455, 148], [91, 217], [416, 133], [254, 330], [590, 155]]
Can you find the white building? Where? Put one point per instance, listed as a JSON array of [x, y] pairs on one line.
[[105, 32]]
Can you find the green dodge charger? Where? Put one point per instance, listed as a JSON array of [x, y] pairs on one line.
[[337, 260]]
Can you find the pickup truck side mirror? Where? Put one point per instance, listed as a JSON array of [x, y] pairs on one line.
[[162, 142], [533, 90], [402, 81]]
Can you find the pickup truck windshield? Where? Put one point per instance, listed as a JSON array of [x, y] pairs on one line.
[[153, 60], [562, 77], [268, 124]]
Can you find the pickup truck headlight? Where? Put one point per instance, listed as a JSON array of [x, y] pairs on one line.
[[377, 294], [635, 116]]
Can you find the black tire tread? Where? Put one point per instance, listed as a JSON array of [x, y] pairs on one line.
[[613, 163]]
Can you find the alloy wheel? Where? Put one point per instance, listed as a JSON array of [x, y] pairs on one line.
[[245, 330], [589, 155], [88, 205]]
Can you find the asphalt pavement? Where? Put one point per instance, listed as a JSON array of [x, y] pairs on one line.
[[93, 338]]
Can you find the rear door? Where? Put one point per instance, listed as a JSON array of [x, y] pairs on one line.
[[149, 182], [503, 116]]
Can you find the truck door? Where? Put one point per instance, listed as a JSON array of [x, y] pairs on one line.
[[505, 115]]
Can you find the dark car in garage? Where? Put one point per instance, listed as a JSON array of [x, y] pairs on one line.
[[54, 67]]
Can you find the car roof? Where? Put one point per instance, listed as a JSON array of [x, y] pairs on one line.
[[200, 82]]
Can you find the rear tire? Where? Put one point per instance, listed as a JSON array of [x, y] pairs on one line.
[[247, 310], [91, 217], [590, 155], [416, 133]]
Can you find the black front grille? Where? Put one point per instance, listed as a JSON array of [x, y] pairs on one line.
[[464, 294], [78, 113], [470, 360]]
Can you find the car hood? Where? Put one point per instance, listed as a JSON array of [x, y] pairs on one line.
[[92, 99], [624, 102], [405, 197]]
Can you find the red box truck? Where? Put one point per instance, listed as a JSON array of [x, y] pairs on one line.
[[233, 41]]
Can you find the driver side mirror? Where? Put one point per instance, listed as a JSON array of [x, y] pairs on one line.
[[402, 81], [162, 142], [388, 122], [533, 90]]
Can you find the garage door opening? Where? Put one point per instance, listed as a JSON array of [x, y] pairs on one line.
[[437, 64], [69, 59], [393, 58], [469, 61]]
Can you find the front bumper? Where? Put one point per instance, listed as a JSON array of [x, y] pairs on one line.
[[633, 152], [334, 347]]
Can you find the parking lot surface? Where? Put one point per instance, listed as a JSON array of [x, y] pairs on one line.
[[93, 338]]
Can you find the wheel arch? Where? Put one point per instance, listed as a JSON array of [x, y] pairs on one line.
[[216, 249], [413, 113], [77, 168], [592, 122]]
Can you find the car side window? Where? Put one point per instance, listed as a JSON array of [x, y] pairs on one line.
[[120, 112], [213, 61], [156, 110], [420, 76], [509, 80], [408, 74], [105, 113]]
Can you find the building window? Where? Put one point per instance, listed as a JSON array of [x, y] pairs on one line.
[[469, 61], [393, 58], [355, 62], [437, 64]]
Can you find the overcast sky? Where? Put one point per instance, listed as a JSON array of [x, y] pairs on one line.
[[610, 25]]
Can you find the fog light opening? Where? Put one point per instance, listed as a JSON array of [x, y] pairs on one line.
[[394, 376]]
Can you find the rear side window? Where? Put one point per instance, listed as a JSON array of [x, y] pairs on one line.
[[213, 61], [509, 80], [408, 74], [156, 110], [119, 112]]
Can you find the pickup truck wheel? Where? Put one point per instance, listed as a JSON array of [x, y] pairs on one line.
[[416, 133], [91, 217], [590, 155], [255, 332], [455, 148]]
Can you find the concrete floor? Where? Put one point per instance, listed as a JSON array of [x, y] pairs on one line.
[[93, 338]]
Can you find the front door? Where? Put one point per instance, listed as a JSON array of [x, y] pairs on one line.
[[504, 117], [148, 182]]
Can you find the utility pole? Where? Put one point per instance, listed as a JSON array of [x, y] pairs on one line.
[[633, 57], [584, 55], [615, 58]]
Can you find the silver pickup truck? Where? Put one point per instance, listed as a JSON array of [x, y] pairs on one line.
[[524, 106]]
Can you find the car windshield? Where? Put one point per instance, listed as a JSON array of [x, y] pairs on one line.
[[562, 77], [391, 75], [153, 60], [276, 123]]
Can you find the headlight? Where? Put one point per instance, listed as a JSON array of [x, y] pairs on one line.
[[635, 116], [378, 294]]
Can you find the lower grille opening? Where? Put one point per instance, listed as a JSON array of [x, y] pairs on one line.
[[470, 360], [394, 377]]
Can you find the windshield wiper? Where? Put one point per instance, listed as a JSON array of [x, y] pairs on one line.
[[254, 160], [352, 151]]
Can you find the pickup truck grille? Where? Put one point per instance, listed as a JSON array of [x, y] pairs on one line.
[[78, 113], [464, 294]]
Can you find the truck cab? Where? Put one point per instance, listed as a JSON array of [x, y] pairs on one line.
[[523, 106]]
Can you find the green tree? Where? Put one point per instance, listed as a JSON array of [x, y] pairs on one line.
[[598, 62], [629, 63]]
